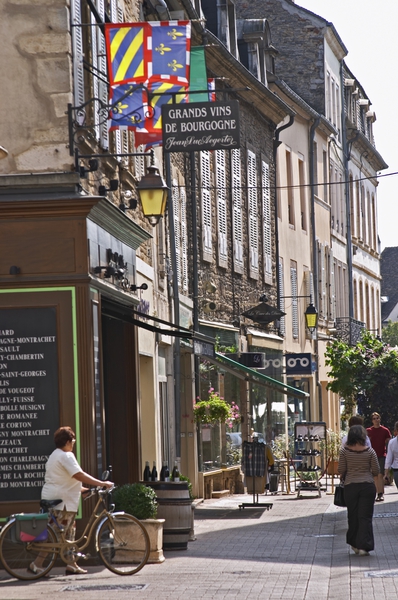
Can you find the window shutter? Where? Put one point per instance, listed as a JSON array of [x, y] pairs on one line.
[[139, 163], [332, 288], [309, 286], [253, 219], [117, 17], [206, 205], [293, 282], [237, 209], [184, 240], [221, 208], [94, 60], [322, 281], [266, 197], [102, 81], [177, 232], [282, 326], [77, 48]]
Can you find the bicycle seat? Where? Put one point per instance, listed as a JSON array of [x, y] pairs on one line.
[[46, 504]]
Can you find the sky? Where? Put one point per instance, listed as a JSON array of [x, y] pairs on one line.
[[369, 31]]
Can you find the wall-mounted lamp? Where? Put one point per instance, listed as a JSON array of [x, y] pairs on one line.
[[153, 195], [15, 270], [311, 317], [108, 271], [311, 313], [128, 202], [92, 166], [113, 185], [263, 298], [143, 286]]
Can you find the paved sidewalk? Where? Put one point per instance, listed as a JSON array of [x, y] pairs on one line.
[[295, 551]]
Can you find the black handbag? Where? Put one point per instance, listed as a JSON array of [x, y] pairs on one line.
[[339, 495]]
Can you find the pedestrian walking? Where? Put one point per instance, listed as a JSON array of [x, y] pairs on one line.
[[392, 457], [358, 465], [379, 437], [355, 420]]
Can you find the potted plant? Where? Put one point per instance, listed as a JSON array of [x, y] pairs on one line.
[[212, 410], [332, 446], [140, 501]]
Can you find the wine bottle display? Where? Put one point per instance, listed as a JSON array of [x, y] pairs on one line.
[[154, 474]]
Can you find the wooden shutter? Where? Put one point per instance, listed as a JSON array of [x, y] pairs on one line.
[[267, 242], [237, 210], [282, 326], [332, 286], [103, 76], [177, 230], [78, 51], [322, 281], [205, 176], [253, 212], [293, 283], [184, 240], [139, 162], [221, 183]]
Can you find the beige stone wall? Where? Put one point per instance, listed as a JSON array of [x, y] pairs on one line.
[[35, 63]]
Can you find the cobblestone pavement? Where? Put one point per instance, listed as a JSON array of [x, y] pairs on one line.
[[295, 551]]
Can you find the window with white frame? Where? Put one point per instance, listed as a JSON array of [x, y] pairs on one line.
[[221, 190], [237, 231], [252, 196], [331, 285], [267, 237], [206, 212], [322, 296], [290, 192], [303, 194]]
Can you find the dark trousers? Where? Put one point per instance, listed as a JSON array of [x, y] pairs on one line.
[[359, 498]]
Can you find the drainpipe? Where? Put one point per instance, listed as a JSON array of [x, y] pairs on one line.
[[276, 145], [315, 257]]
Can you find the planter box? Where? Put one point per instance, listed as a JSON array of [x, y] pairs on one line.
[[154, 529]]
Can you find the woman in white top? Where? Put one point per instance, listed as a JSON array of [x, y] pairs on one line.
[[63, 480]]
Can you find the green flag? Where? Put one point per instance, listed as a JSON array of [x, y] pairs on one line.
[[198, 74]]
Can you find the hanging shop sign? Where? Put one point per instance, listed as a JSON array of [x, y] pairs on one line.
[[298, 364], [29, 402], [200, 126]]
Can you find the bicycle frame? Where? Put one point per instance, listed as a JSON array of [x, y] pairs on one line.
[[63, 544]]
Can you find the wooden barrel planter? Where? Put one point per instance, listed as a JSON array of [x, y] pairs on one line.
[[175, 507]]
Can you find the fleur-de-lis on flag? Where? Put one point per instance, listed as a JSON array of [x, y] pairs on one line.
[[174, 34], [162, 49], [119, 108], [174, 65]]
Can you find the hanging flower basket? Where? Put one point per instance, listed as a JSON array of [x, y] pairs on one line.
[[213, 410]]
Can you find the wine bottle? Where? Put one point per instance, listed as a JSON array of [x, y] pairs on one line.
[[147, 472], [176, 473], [166, 473], [154, 474], [162, 471]]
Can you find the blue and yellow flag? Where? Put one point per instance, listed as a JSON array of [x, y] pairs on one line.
[[129, 107], [150, 51], [127, 52], [171, 47]]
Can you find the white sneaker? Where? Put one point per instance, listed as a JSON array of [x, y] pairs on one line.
[[355, 550], [363, 553]]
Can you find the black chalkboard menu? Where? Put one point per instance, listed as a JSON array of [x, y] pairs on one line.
[[29, 399]]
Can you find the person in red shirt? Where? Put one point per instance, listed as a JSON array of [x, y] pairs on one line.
[[379, 436]]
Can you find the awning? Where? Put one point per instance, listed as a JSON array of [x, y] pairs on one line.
[[248, 374]]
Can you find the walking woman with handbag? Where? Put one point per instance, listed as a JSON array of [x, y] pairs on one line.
[[358, 465]]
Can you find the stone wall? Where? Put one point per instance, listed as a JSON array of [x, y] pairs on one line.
[[36, 66]]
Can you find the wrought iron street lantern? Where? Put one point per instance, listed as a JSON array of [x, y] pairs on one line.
[[311, 317], [153, 195]]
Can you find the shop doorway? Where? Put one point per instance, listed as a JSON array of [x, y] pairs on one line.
[[121, 404]]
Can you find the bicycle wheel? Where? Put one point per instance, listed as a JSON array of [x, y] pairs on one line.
[[123, 544], [16, 556]]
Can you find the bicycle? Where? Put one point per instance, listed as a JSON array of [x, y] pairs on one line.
[[121, 541]]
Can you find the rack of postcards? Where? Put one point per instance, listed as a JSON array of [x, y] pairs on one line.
[[309, 456]]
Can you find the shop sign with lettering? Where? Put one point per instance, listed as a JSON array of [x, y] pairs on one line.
[[200, 126], [29, 402]]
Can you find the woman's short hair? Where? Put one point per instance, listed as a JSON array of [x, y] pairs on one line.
[[355, 420], [63, 435], [356, 435]]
